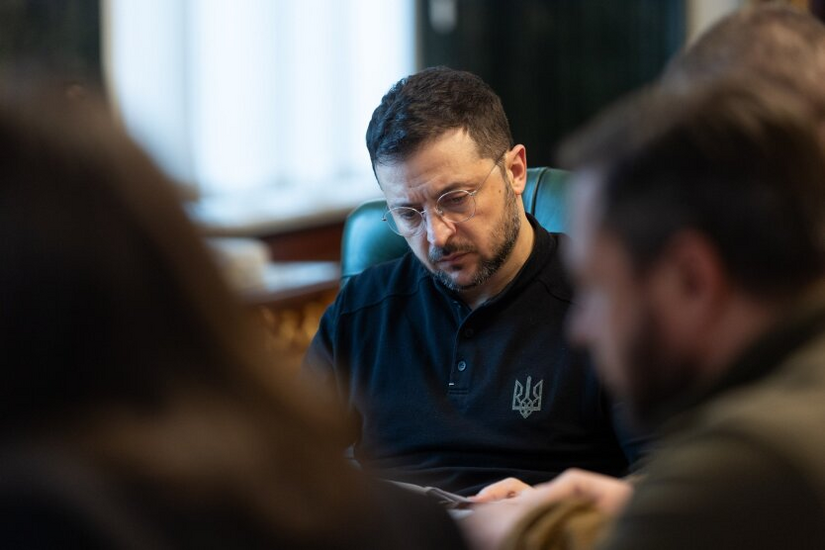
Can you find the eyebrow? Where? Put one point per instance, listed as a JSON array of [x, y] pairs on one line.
[[454, 186]]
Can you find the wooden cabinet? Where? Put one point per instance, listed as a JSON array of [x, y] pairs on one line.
[[299, 284]]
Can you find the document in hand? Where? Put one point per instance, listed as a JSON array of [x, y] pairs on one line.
[[445, 498]]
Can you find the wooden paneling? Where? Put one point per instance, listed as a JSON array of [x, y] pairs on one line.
[[314, 244]]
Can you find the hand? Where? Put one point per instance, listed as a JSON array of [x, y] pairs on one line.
[[608, 494], [506, 488], [489, 524]]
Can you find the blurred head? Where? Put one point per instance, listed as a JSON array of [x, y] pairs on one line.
[[104, 282], [435, 141], [119, 338], [686, 207], [778, 43]]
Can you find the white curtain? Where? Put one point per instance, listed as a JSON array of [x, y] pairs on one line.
[[241, 97]]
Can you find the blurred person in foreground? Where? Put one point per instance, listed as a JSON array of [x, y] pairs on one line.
[[699, 253], [452, 358], [138, 408], [777, 44], [780, 44]]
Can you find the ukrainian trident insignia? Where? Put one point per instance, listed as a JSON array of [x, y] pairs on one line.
[[527, 400]]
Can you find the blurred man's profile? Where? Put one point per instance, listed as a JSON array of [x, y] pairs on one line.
[[698, 256]]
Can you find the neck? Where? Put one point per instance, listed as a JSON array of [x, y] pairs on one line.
[[474, 297]]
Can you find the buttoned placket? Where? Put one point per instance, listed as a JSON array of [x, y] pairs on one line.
[[460, 372]]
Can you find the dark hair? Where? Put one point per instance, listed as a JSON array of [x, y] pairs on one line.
[[121, 341], [421, 107], [780, 43], [738, 161]]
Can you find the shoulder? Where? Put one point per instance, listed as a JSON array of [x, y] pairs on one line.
[[401, 277], [722, 489], [784, 410], [553, 275], [743, 470]]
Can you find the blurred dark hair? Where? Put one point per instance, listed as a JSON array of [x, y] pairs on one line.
[[121, 341], [738, 161], [421, 107], [778, 43]]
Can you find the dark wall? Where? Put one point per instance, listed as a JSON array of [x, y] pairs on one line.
[[554, 62], [57, 37]]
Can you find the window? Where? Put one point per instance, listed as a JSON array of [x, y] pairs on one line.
[[261, 105]]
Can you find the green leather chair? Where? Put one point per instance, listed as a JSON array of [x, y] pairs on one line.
[[366, 240]]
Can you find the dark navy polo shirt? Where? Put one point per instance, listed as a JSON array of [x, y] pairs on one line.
[[456, 398]]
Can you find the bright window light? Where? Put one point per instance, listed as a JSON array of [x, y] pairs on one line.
[[246, 98]]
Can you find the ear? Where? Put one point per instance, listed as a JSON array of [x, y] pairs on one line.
[[515, 163], [691, 283]]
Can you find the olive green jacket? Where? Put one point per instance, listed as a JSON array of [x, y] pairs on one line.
[[743, 465]]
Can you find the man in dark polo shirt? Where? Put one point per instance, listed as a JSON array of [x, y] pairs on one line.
[[452, 358]]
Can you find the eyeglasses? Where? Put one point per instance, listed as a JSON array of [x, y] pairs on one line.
[[453, 206]]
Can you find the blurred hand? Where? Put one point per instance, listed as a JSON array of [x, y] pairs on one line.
[[608, 494], [506, 488], [490, 523]]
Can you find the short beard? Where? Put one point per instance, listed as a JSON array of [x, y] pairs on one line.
[[507, 233], [657, 378]]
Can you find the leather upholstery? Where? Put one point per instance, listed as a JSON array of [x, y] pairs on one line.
[[366, 240]]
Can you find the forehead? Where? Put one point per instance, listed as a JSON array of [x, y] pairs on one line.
[[452, 158], [593, 253], [584, 205]]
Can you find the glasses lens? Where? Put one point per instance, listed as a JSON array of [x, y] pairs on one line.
[[457, 206], [404, 221]]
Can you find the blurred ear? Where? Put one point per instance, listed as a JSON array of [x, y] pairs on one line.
[[691, 283], [515, 163]]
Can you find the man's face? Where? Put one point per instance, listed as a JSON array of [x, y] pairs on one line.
[[462, 255], [623, 316]]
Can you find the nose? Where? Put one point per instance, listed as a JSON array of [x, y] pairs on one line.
[[578, 326], [439, 231]]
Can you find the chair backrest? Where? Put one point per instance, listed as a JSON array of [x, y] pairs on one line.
[[366, 240]]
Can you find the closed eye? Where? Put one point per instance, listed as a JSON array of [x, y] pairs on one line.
[[455, 199]]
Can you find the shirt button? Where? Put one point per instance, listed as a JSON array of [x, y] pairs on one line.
[[462, 365], [469, 333]]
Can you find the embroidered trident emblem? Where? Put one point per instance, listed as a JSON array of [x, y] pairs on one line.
[[525, 401]]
